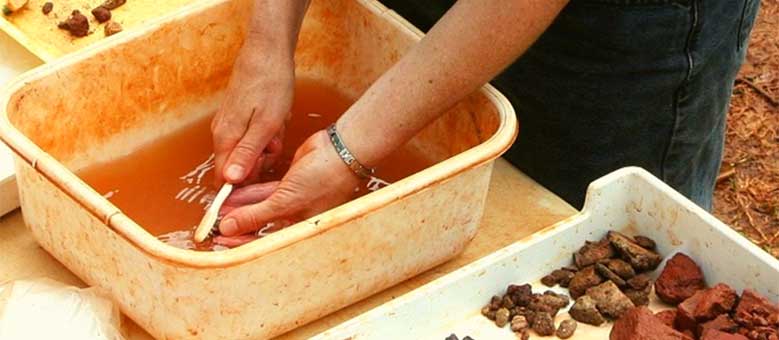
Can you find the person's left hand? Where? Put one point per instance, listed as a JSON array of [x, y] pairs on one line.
[[317, 180]]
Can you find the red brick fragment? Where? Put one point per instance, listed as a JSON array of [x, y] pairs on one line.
[[755, 310], [716, 300], [640, 324], [667, 317], [713, 334], [680, 279]]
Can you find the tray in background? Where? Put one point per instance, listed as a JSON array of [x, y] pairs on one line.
[[39, 33], [629, 200]]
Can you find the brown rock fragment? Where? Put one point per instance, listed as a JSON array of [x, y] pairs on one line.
[[607, 274], [507, 302], [639, 297], [102, 14], [645, 242], [553, 299], [611, 302], [519, 323], [592, 252], [525, 335], [585, 310], [549, 280], [679, 280], [566, 329], [111, 28], [621, 268], [495, 302], [558, 276], [502, 317], [639, 324], [77, 24], [583, 280], [488, 312], [47, 7], [520, 294], [564, 277], [641, 259], [639, 282], [113, 4], [543, 324]]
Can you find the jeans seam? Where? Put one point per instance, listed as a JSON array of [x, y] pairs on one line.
[[681, 87], [740, 32]]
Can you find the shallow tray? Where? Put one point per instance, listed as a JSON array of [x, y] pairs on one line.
[[39, 33], [630, 200]]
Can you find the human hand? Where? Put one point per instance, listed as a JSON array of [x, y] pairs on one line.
[[316, 181], [248, 129]]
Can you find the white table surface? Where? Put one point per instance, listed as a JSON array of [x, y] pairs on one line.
[[14, 60]]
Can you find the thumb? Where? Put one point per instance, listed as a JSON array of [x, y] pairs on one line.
[[250, 218]]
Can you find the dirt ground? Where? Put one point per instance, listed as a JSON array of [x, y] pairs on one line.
[[747, 195]]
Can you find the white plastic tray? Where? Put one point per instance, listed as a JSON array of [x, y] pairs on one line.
[[630, 200], [14, 60]]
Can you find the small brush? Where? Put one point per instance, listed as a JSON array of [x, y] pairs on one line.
[[209, 225]]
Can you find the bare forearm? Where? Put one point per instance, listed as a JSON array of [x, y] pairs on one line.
[[472, 43], [275, 24]]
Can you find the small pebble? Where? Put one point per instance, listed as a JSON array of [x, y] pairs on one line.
[[452, 337], [111, 28], [101, 14], [566, 329], [525, 334], [485, 310], [563, 276], [549, 280], [113, 4], [495, 302], [502, 317], [606, 273], [519, 323], [639, 282], [47, 7], [507, 302], [543, 324]]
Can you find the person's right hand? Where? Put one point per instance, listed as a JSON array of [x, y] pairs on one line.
[[256, 106]]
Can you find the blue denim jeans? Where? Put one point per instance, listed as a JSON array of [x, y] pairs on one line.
[[615, 83]]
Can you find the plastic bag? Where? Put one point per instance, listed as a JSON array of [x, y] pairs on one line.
[[47, 309]]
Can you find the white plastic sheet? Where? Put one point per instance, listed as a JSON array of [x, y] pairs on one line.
[[47, 309]]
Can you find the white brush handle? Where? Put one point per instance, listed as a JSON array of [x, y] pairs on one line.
[[207, 223]]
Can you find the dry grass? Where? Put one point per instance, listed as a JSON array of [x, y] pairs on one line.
[[747, 195]]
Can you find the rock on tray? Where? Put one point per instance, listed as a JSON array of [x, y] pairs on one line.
[[639, 257]]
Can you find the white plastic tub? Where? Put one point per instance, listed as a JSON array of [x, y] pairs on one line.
[[110, 98], [629, 200]]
